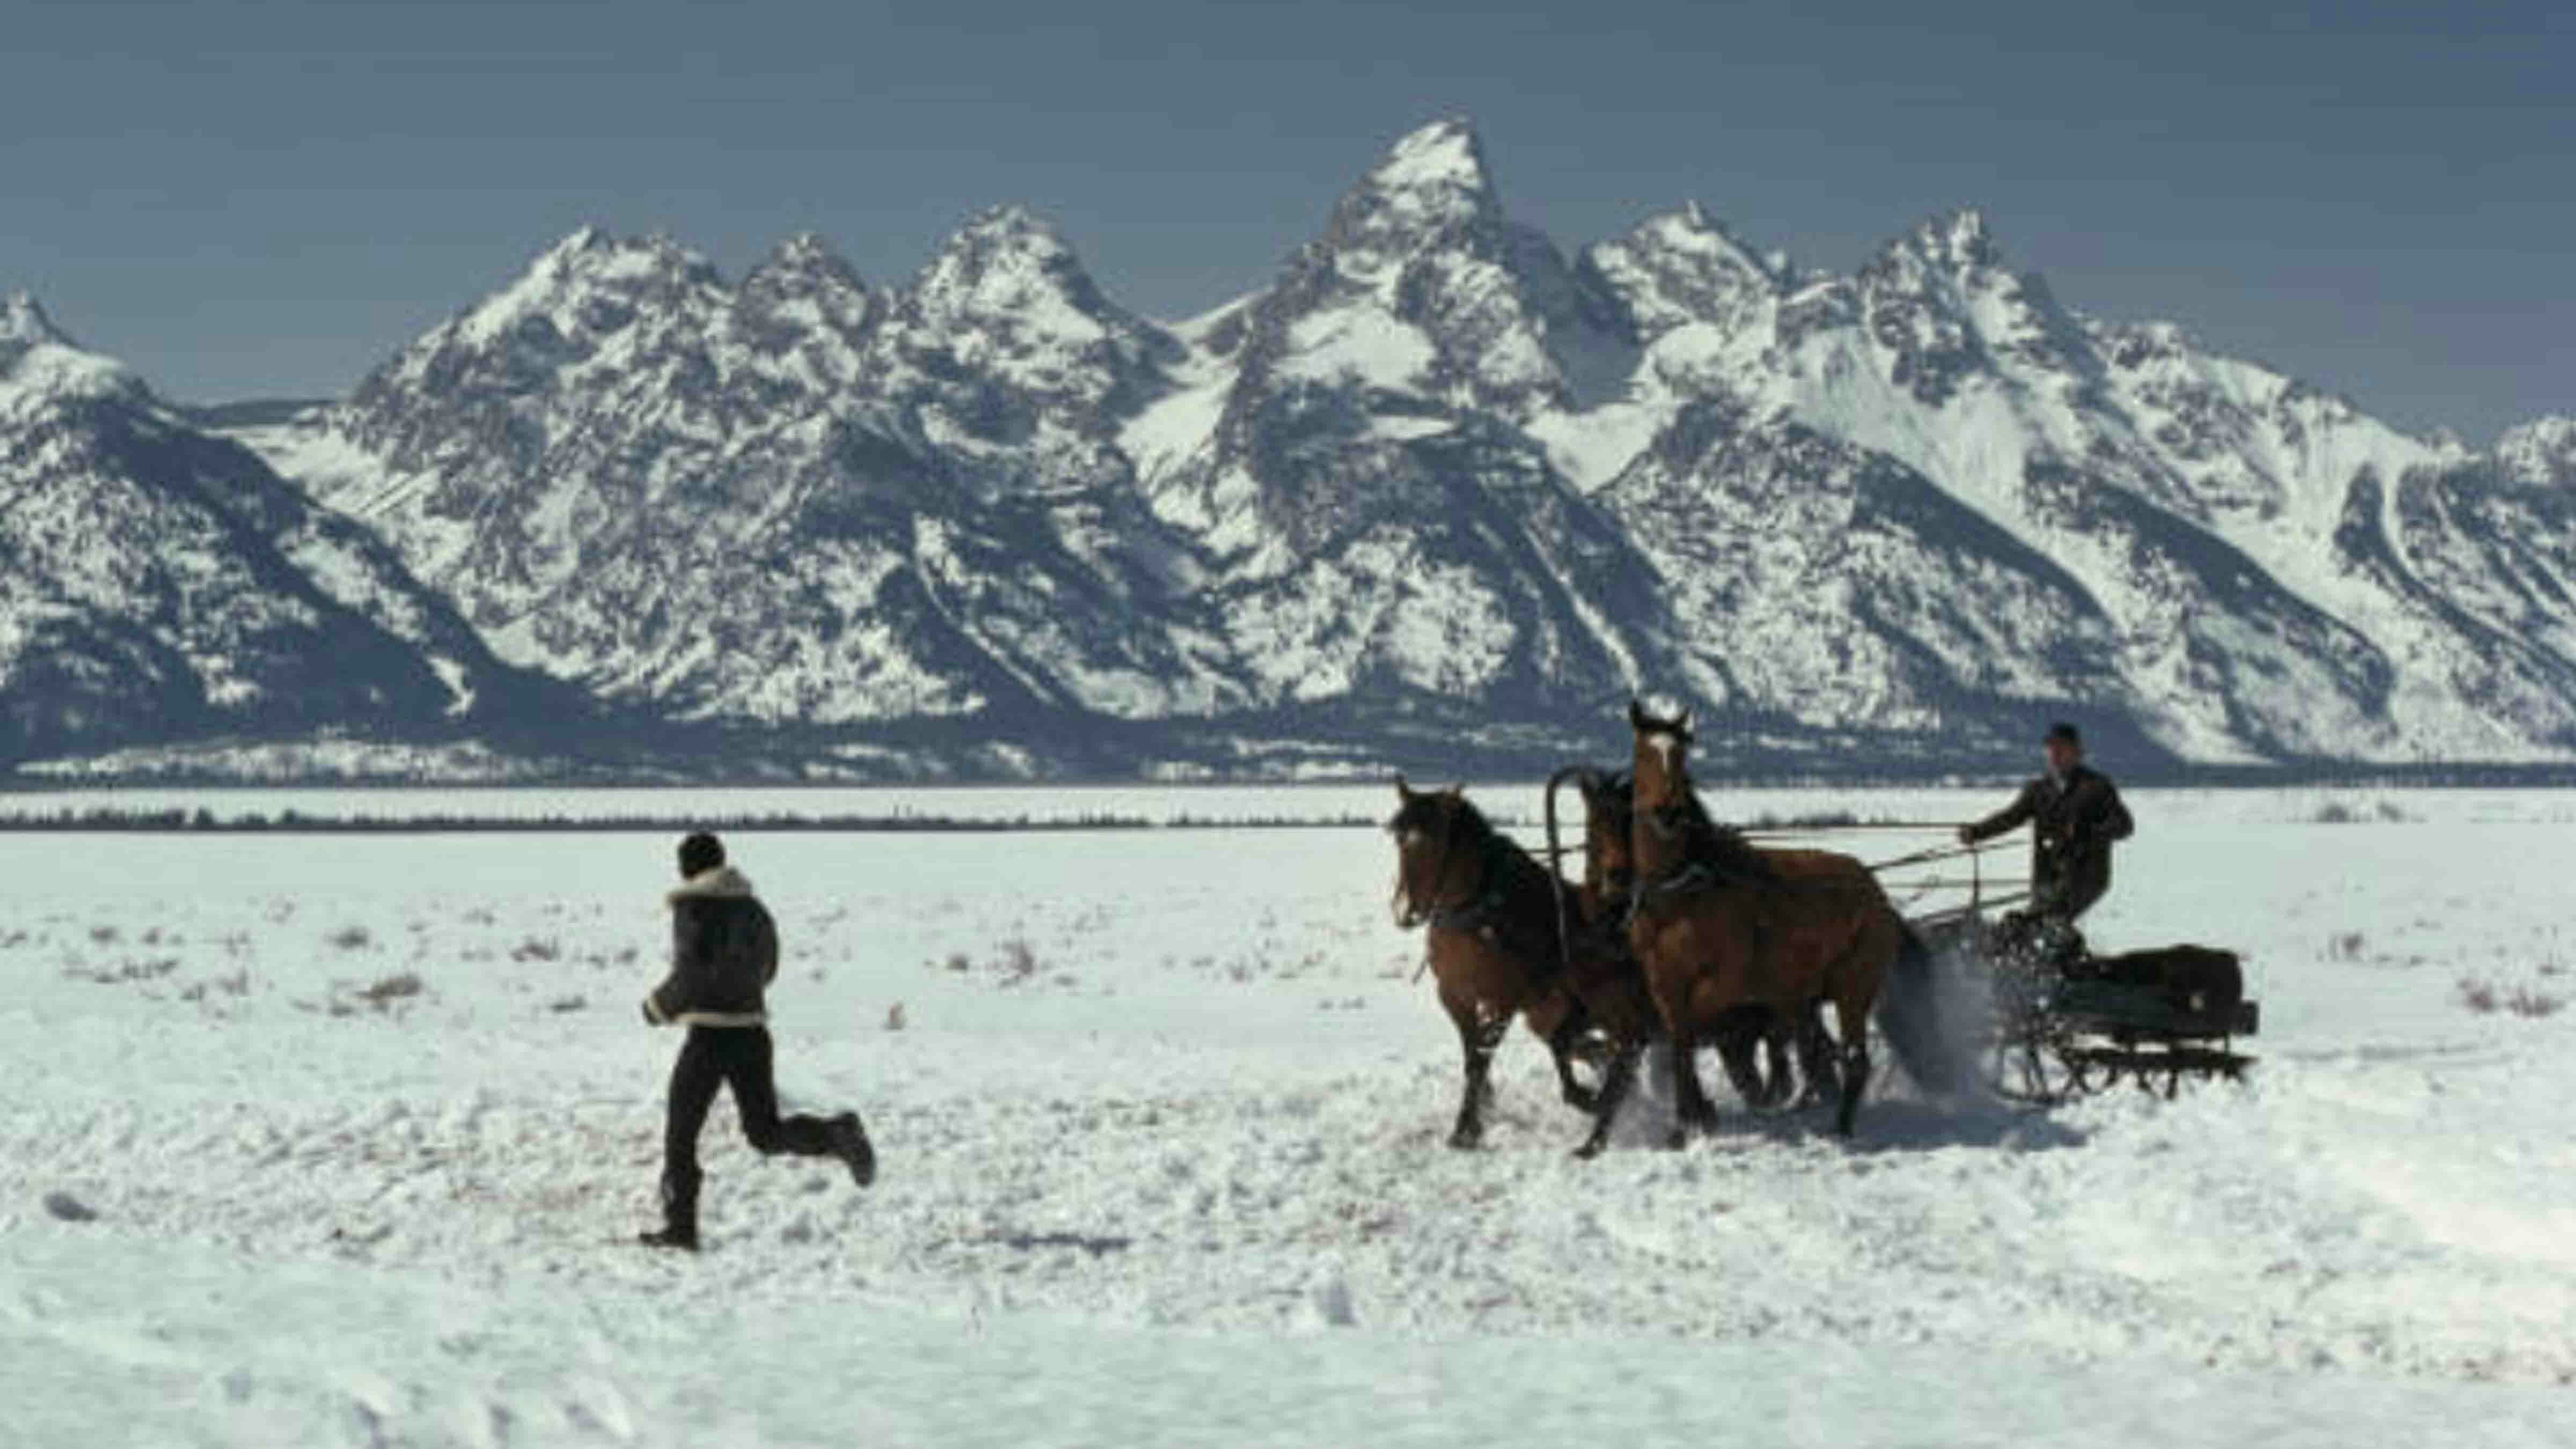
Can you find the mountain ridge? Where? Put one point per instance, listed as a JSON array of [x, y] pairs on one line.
[[1437, 477]]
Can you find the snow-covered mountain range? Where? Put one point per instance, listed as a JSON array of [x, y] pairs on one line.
[[1438, 488]]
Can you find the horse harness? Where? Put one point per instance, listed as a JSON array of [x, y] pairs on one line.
[[1485, 911], [1691, 876], [1695, 874]]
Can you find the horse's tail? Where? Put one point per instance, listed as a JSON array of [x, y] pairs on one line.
[[1909, 1012]]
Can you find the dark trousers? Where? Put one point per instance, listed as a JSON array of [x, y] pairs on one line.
[[738, 1057]]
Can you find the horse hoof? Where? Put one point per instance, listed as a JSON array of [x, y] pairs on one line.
[[1466, 1141], [1677, 1139], [1587, 1152]]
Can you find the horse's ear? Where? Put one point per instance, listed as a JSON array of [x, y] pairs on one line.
[[1456, 793], [1686, 721], [1637, 715], [1403, 791]]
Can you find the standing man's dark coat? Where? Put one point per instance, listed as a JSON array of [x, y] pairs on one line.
[[2074, 816]]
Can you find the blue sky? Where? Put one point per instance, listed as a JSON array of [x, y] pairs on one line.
[[261, 199]]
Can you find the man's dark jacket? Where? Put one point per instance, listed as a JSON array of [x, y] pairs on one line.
[[724, 954], [2073, 823]]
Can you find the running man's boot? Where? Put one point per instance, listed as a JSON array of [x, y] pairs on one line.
[[850, 1144], [679, 1219]]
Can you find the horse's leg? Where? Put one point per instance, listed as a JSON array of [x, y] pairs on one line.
[[1616, 1079], [1477, 1039], [1560, 1044], [1851, 1018], [1816, 1056], [1691, 1106], [1739, 1036]]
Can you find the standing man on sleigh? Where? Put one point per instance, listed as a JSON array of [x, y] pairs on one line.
[[2075, 815]]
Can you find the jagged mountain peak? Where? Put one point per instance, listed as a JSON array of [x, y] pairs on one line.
[[1004, 223], [803, 264], [2541, 452], [39, 361], [23, 320], [588, 237], [594, 254], [1421, 283], [801, 248], [1688, 231], [1682, 266], [1948, 253], [805, 251], [1945, 302], [1008, 272], [588, 266], [1430, 185], [1687, 227], [1444, 155], [1957, 240], [1006, 237], [996, 254]]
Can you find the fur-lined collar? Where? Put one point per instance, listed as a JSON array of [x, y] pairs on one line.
[[723, 880]]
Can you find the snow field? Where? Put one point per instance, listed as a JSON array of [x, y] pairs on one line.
[[1161, 1127]]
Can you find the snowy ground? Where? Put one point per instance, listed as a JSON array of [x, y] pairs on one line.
[[1161, 1126]]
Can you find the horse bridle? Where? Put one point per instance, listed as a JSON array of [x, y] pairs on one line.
[[1410, 913], [1485, 900], [1670, 821]]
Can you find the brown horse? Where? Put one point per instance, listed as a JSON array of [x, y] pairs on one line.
[[1607, 896], [1721, 927], [1592, 925], [1492, 940]]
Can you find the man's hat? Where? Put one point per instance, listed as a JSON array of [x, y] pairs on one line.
[[2063, 731], [699, 853]]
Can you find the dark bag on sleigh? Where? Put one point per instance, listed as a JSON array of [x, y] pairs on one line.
[[2198, 981]]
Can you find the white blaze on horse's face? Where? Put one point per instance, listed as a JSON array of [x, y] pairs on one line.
[[1666, 745], [1400, 902]]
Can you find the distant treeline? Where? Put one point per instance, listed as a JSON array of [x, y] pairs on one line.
[[296, 822]]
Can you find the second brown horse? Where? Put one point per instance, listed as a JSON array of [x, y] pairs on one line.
[[1722, 928]]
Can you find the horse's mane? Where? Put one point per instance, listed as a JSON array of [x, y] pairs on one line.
[[1473, 832], [1719, 846], [1464, 818]]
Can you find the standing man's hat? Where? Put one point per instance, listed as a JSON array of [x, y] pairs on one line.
[[2063, 731]]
